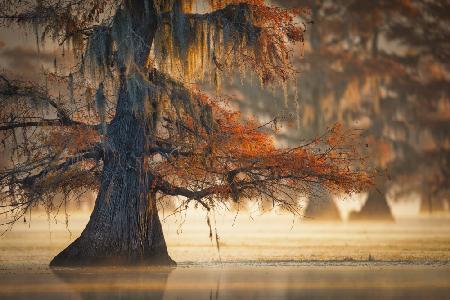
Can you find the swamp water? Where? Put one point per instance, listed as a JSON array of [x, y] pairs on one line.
[[264, 257]]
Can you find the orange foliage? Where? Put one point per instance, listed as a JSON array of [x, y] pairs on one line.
[[197, 146], [240, 159], [72, 140]]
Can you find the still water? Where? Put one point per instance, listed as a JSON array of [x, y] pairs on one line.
[[266, 257], [241, 281]]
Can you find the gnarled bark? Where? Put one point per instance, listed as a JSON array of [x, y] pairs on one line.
[[124, 228]]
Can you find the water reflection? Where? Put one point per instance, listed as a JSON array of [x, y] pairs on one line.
[[249, 280], [409, 260], [116, 283]]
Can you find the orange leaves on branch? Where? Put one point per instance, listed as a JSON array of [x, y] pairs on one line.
[[278, 32], [72, 140], [239, 159]]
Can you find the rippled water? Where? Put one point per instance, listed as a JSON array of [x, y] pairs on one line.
[[259, 258]]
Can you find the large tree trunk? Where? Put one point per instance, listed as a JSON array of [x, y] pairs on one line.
[[124, 230], [124, 227], [323, 209]]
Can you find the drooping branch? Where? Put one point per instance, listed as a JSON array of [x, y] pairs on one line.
[[235, 37], [28, 177], [59, 20], [36, 183], [13, 90], [240, 162], [41, 123], [280, 188], [93, 154]]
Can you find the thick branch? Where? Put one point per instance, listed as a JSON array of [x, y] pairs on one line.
[[171, 190], [46, 123], [95, 153], [42, 123]]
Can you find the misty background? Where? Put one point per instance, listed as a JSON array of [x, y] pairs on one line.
[[380, 67]]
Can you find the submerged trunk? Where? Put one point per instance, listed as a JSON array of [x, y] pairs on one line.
[[322, 207], [322, 210], [432, 203], [376, 207], [124, 227]]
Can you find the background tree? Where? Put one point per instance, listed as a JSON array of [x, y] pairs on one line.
[[378, 66], [401, 38], [426, 99], [131, 124]]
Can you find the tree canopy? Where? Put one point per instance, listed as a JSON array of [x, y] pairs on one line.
[[135, 97]]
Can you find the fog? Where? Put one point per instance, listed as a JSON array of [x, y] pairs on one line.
[[261, 256]]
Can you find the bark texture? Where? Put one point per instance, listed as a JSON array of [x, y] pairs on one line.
[[124, 228]]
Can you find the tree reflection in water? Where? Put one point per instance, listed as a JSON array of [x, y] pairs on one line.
[[116, 283]]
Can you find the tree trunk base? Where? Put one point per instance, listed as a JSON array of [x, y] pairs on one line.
[[90, 249], [375, 209], [322, 208], [67, 259], [114, 237], [434, 205]]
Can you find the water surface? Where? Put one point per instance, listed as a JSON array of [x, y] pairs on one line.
[[261, 258]]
